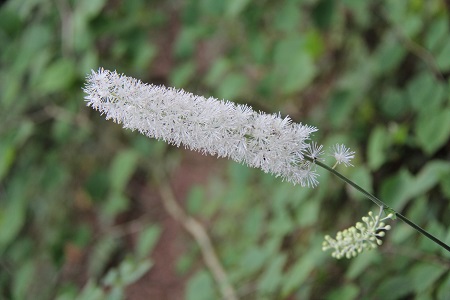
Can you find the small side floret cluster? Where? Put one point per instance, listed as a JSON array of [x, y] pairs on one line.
[[342, 154], [354, 240]]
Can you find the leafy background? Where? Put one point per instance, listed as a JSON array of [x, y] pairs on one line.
[[80, 209]]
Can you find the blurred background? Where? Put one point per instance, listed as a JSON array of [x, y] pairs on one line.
[[82, 212]]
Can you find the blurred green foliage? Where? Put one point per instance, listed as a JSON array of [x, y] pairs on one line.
[[372, 74]]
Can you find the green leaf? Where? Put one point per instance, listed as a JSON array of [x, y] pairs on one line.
[[314, 44], [420, 88], [403, 187], [12, 212], [100, 254], [294, 68], [253, 223], [361, 263], [10, 21], [9, 92], [272, 276], [445, 186], [349, 291], [394, 103], [112, 278], [361, 176], [302, 71], [411, 26], [429, 176], [395, 190], [308, 212], [235, 7], [186, 42], [33, 40], [253, 260], [121, 169], [90, 8], [115, 204], [444, 287], [195, 200], [443, 58], [116, 293], [91, 292], [182, 75], [393, 287], [433, 130], [82, 235], [287, 18], [340, 107], [359, 11], [439, 230], [130, 271], [217, 71], [297, 274], [281, 224], [209, 7], [59, 76], [147, 241], [61, 130], [232, 86], [185, 262], [201, 287], [143, 55], [7, 155], [389, 54], [424, 275], [436, 34], [24, 132], [376, 150], [323, 13], [239, 174], [400, 233], [417, 210], [23, 279], [97, 185], [399, 133]]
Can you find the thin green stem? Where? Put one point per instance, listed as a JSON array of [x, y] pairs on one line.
[[382, 205], [422, 231], [360, 189]]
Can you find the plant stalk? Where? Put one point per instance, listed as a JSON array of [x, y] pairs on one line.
[[381, 204]]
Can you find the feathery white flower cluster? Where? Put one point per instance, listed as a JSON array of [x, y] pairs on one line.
[[363, 236], [343, 155], [208, 125]]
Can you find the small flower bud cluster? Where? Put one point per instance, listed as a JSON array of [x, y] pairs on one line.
[[354, 240]]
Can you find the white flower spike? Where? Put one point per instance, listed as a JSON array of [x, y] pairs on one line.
[[216, 127], [342, 155]]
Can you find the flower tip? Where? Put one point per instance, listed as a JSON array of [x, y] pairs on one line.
[[342, 154]]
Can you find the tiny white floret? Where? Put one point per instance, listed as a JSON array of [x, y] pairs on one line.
[[342, 154]]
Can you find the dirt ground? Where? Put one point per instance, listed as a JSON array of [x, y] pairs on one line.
[[162, 281]]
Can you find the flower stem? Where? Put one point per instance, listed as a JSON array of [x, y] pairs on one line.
[[382, 205], [374, 199]]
